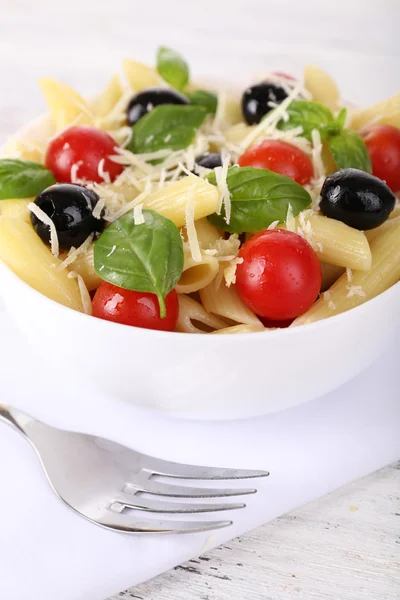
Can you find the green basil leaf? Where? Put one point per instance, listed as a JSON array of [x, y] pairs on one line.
[[23, 178], [172, 67], [259, 197], [341, 118], [349, 150], [203, 98], [309, 115], [144, 258], [166, 126]]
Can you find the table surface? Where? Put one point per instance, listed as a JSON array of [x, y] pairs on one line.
[[345, 546]]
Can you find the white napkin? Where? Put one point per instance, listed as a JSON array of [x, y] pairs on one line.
[[48, 552]]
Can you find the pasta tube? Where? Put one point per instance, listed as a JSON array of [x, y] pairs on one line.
[[171, 200], [226, 302], [384, 273], [197, 275], [24, 252], [66, 106], [240, 329], [15, 209], [321, 86], [334, 242], [140, 76], [192, 314], [104, 104], [384, 112]]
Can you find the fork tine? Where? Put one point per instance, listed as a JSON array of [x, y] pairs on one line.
[[137, 503], [180, 491], [171, 469], [127, 524]]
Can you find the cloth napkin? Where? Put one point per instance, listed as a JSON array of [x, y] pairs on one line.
[[48, 552]]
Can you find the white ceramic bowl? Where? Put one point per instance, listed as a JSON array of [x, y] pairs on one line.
[[201, 376]]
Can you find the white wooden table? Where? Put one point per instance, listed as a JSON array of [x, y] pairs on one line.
[[345, 546]]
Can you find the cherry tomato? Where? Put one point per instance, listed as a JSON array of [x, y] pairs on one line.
[[383, 144], [283, 75], [279, 157], [81, 154], [139, 309], [280, 276]]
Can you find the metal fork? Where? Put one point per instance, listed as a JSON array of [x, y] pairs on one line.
[[100, 479]]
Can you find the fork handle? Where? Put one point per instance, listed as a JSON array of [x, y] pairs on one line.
[[16, 418]]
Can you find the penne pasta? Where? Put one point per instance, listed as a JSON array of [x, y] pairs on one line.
[[384, 112], [321, 86], [225, 302], [139, 75], [240, 329], [66, 106], [83, 265], [197, 275], [384, 273], [207, 234], [24, 252], [372, 234], [330, 273], [193, 318], [171, 200], [334, 242], [16, 209], [104, 104]]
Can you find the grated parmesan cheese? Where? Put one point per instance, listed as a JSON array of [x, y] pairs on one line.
[[190, 226], [85, 296], [74, 172], [98, 209], [221, 174], [331, 305], [105, 175], [349, 274], [316, 156], [41, 215], [290, 220], [355, 290], [75, 252], [138, 217], [273, 225], [230, 271]]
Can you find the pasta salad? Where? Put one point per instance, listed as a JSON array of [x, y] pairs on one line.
[[169, 205]]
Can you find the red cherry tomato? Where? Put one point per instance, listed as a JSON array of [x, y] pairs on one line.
[[283, 75], [383, 144], [85, 147], [279, 157], [139, 309], [280, 276]]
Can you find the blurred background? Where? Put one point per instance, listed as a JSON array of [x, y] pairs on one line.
[[82, 43]]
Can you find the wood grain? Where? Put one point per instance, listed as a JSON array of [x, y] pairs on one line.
[[345, 546]]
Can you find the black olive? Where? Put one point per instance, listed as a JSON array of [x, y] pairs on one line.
[[210, 160], [356, 198], [70, 207], [146, 100], [255, 100]]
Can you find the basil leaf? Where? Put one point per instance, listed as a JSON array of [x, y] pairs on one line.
[[145, 258], [308, 115], [172, 67], [341, 118], [259, 197], [23, 178], [349, 150], [166, 126], [203, 98]]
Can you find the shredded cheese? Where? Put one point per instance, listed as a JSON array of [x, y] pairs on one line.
[[85, 296], [105, 175], [355, 290], [190, 226], [319, 168], [138, 217], [41, 215], [349, 274], [74, 172], [75, 252], [230, 271], [221, 174], [98, 209], [290, 220], [272, 225]]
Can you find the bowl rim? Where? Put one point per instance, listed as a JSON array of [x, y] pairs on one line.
[[321, 324]]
